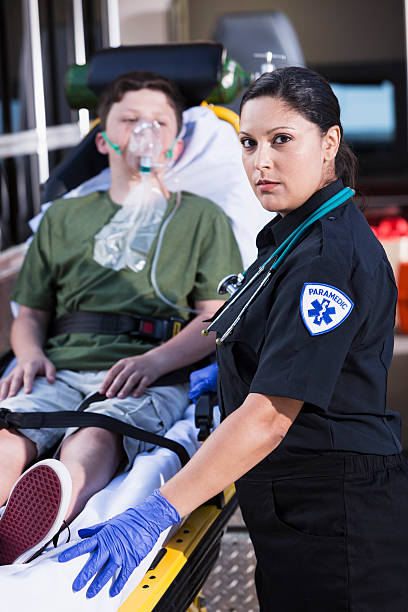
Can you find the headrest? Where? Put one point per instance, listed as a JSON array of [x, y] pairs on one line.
[[194, 67]]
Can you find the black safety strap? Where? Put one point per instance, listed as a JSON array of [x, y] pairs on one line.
[[149, 328], [80, 418]]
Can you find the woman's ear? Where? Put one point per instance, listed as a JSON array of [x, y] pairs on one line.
[[331, 143], [101, 144]]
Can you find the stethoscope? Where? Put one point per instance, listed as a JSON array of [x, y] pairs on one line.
[[232, 283]]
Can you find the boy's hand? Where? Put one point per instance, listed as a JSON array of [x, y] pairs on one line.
[[23, 374], [131, 375]]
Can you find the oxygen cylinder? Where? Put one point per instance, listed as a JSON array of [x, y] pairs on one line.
[[233, 80]]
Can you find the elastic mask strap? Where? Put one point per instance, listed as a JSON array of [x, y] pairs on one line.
[[169, 153], [114, 146]]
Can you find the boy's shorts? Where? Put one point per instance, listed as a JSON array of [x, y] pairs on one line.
[[156, 410]]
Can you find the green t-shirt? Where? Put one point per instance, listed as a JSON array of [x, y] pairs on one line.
[[59, 274]]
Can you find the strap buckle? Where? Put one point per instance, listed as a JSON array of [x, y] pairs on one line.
[[147, 327], [157, 329]]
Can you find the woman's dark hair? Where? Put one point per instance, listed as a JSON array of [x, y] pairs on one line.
[[133, 81], [308, 93]]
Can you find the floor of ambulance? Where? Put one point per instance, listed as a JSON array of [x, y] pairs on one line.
[[230, 585]]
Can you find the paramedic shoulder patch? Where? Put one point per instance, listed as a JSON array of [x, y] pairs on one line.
[[323, 307]]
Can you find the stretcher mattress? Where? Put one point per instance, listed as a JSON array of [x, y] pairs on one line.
[[44, 585]]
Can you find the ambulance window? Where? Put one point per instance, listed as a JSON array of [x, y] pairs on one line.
[[368, 112]]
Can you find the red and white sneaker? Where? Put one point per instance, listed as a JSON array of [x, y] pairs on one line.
[[35, 511]]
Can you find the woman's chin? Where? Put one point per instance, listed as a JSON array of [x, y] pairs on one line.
[[272, 204]]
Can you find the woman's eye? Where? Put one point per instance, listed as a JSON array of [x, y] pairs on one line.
[[282, 139], [130, 120], [247, 143]]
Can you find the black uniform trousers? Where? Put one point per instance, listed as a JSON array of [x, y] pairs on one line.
[[330, 532]]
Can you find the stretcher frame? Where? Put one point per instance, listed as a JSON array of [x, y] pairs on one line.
[[176, 576]]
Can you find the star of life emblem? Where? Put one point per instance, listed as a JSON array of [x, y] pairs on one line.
[[323, 307]]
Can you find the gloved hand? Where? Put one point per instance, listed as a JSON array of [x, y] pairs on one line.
[[203, 380], [121, 542]]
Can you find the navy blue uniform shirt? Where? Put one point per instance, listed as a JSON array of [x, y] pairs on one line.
[[321, 331]]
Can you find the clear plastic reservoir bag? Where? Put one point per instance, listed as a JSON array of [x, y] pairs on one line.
[[126, 240]]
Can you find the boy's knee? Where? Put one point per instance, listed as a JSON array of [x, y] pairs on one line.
[[90, 437], [18, 447]]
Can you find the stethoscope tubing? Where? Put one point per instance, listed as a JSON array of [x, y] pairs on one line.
[[280, 253]]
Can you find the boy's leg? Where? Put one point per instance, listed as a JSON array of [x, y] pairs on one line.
[[92, 456], [18, 449], [16, 452]]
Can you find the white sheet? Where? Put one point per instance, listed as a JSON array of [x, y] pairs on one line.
[[44, 585]]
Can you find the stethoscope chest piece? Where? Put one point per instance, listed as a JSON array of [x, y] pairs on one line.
[[230, 284]]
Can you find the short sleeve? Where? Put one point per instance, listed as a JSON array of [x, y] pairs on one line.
[[219, 256], [296, 361], [34, 285]]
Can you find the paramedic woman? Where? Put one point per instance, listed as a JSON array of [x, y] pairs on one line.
[[307, 438]]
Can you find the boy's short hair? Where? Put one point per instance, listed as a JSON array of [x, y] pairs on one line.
[[133, 81]]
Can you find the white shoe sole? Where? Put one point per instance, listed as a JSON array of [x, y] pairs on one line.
[[35, 510]]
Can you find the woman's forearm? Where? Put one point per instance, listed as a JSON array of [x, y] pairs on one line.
[[246, 437]]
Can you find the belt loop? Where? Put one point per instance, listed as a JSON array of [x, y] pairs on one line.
[[347, 464]]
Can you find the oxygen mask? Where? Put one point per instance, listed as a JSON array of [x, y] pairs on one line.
[[144, 146], [127, 238]]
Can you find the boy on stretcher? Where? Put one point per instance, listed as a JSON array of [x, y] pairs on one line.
[[137, 251]]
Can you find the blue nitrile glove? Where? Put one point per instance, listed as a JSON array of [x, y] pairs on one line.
[[120, 543], [203, 380]]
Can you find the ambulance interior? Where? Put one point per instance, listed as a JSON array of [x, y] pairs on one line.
[[363, 79], [211, 151]]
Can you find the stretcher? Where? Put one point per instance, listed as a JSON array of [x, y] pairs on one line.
[[168, 578], [171, 576]]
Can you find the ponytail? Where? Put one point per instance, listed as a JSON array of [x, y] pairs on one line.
[[346, 165]]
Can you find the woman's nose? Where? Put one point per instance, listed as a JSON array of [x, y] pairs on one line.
[[263, 157]]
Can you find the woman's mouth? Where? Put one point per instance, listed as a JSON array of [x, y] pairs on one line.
[[265, 186]]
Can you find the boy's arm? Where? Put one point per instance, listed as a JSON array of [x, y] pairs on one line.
[[134, 374], [28, 334]]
